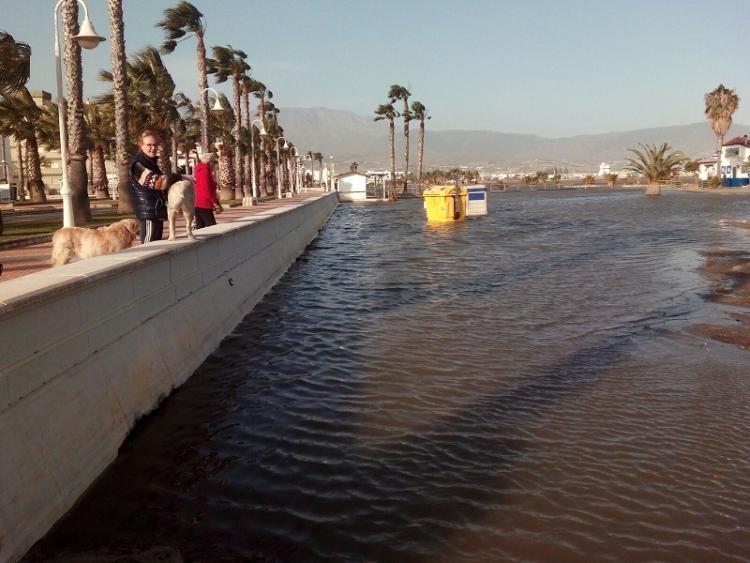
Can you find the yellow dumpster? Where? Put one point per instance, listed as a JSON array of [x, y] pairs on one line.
[[445, 203]]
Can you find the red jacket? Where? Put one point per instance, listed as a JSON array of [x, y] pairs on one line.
[[205, 187]]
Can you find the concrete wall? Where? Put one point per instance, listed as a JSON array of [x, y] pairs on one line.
[[89, 348]]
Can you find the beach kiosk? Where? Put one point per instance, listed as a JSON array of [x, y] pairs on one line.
[[351, 186], [477, 200]]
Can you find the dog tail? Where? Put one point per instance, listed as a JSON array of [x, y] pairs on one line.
[[62, 250]]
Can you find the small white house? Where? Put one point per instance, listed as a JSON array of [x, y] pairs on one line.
[[734, 162], [706, 168], [352, 186]]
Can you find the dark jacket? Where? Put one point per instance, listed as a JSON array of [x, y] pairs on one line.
[[149, 203]]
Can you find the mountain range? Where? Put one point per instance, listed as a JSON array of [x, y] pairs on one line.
[[351, 137]]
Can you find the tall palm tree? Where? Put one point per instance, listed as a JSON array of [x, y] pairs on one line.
[[721, 104], [387, 111], [259, 90], [15, 63], [419, 111], [656, 164], [18, 117], [77, 141], [178, 23], [125, 202], [245, 88], [229, 62], [309, 156], [101, 130], [317, 156], [263, 94], [271, 121], [398, 92], [222, 128]]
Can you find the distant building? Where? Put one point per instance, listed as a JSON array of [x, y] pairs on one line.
[[604, 169], [734, 162], [352, 186], [706, 168]]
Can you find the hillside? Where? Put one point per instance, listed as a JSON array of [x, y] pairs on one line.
[[352, 137]]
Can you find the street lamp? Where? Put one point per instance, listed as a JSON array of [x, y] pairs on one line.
[[263, 133], [88, 39], [217, 103], [278, 164], [333, 175], [293, 176]]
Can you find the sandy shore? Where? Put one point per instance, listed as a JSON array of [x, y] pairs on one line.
[[732, 268]]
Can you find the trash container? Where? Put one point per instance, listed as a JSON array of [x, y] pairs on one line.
[[13, 192], [477, 201], [445, 203]]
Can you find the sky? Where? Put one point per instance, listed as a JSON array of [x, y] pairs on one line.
[[554, 68]]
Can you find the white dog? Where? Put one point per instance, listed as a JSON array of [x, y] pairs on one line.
[[181, 198]]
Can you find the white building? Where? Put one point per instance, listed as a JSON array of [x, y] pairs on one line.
[[706, 168], [604, 169], [352, 186], [734, 162]]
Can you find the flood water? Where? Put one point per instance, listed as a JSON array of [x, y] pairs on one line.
[[519, 387]]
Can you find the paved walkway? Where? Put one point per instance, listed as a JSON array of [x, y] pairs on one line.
[[25, 260]]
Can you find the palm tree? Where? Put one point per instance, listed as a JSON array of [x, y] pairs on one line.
[[246, 86], [387, 111], [656, 164], [15, 68], [588, 180], [178, 22], [229, 62], [541, 177], [309, 156], [397, 92], [319, 157], [100, 134], [419, 111], [77, 141], [18, 117], [151, 99], [556, 179], [611, 179], [721, 104], [125, 203], [222, 128], [15, 63]]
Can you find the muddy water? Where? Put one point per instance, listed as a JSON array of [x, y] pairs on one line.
[[525, 386]]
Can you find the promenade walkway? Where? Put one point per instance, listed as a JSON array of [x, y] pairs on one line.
[[21, 261]]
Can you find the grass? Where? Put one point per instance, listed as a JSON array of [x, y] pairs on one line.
[[12, 232]]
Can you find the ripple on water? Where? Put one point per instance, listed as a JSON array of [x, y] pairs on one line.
[[521, 387]]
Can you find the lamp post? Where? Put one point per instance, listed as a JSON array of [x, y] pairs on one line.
[[278, 164], [263, 133], [217, 103], [333, 175], [87, 38], [293, 170]]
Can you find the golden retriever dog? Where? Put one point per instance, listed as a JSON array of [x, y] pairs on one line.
[[181, 198], [71, 242]]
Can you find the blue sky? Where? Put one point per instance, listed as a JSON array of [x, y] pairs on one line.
[[546, 67]]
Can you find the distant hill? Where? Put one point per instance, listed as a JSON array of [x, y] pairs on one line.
[[351, 137]]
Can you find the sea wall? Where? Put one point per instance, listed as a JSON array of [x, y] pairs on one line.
[[90, 347]]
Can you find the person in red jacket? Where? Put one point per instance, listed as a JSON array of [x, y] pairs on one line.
[[205, 192]]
